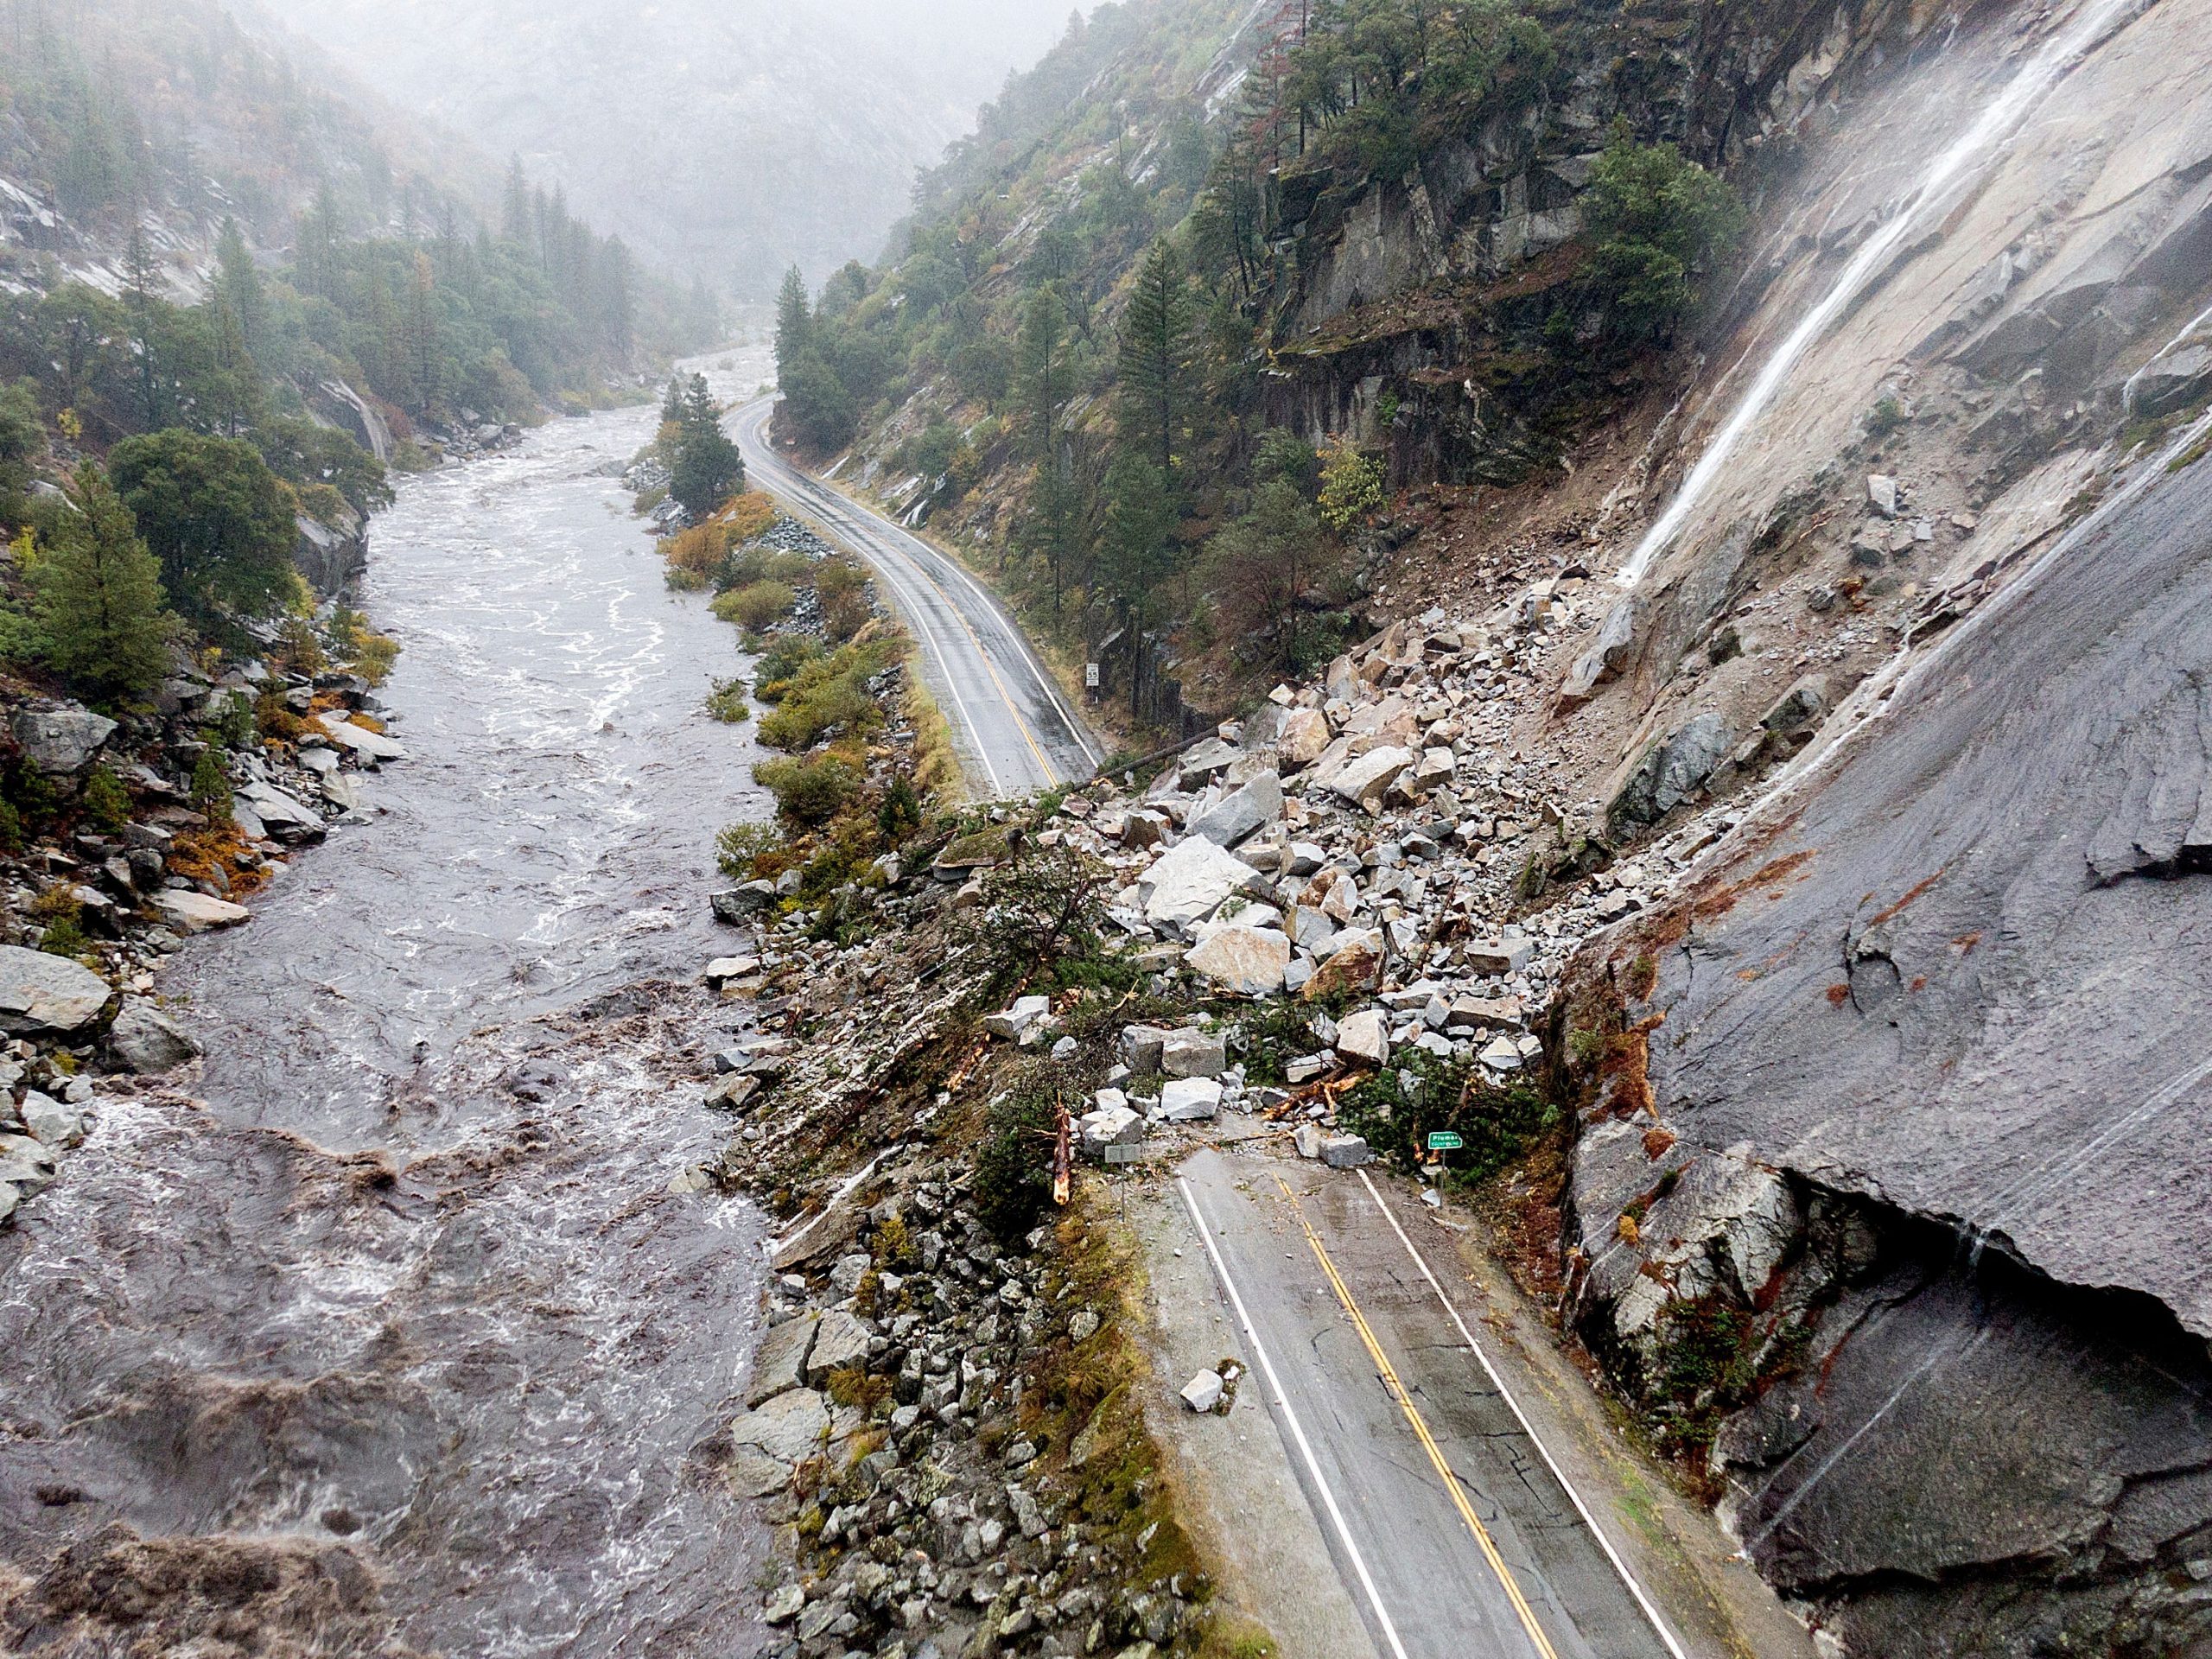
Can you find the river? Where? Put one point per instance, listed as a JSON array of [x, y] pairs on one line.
[[391, 1335]]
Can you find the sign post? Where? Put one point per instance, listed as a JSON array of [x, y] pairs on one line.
[[1445, 1140]]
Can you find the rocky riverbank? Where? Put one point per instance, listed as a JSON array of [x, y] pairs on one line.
[[129, 835]]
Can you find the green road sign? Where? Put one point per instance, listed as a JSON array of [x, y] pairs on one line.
[[1445, 1140]]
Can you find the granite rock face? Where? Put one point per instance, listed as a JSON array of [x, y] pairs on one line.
[[1969, 975], [1926, 1127]]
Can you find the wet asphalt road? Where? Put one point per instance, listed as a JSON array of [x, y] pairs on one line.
[[1012, 727], [1510, 1566]]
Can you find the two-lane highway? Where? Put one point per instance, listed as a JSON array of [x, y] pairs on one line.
[[1013, 730], [1456, 1533]]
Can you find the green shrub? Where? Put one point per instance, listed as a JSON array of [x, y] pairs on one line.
[[726, 701], [787, 653], [1396, 1110], [741, 847], [1013, 1160], [756, 605], [809, 791], [899, 815], [801, 721], [63, 913], [107, 808]]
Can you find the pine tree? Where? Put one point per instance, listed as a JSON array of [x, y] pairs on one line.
[[617, 309], [794, 323], [1155, 361], [238, 283], [99, 597], [1044, 367], [514, 218], [421, 330], [706, 469], [227, 391], [1138, 554], [142, 276]]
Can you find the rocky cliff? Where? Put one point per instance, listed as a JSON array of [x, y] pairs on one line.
[[1889, 1168]]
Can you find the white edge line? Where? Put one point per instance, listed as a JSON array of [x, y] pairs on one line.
[[920, 625], [1028, 653], [915, 556], [901, 580], [1620, 1566], [1038, 671], [952, 685], [1298, 1432]]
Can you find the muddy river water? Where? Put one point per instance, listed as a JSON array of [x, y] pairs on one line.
[[385, 1331]]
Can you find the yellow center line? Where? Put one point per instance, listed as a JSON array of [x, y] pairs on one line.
[[1399, 1392], [1051, 773]]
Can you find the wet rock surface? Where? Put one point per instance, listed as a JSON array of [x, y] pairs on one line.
[[1915, 1195], [1963, 983]]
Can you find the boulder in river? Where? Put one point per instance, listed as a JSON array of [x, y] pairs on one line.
[[40, 992], [285, 817], [195, 912], [371, 747], [789, 1428], [143, 1039], [738, 905]]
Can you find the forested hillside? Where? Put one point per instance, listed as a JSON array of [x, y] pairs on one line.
[[724, 138], [1215, 275], [231, 299], [434, 288]]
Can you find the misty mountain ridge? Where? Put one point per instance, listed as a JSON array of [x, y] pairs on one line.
[[724, 142]]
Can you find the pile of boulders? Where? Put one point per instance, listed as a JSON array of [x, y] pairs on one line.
[[881, 1434], [1360, 846], [81, 998]]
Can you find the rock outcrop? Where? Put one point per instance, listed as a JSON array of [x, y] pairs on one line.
[[1944, 1010]]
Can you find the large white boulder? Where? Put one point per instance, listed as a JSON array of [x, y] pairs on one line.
[[1365, 779], [370, 745], [1242, 961], [1187, 883], [1362, 1037], [195, 912], [40, 992], [1110, 1126], [1022, 1023], [1190, 1100]]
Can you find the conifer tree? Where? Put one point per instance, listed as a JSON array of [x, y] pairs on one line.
[[706, 470], [794, 323], [99, 596], [238, 284], [1155, 360]]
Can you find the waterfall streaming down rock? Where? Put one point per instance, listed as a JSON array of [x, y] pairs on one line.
[[2004, 113]]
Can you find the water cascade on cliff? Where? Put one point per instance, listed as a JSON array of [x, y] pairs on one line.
[[2042, 72]]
